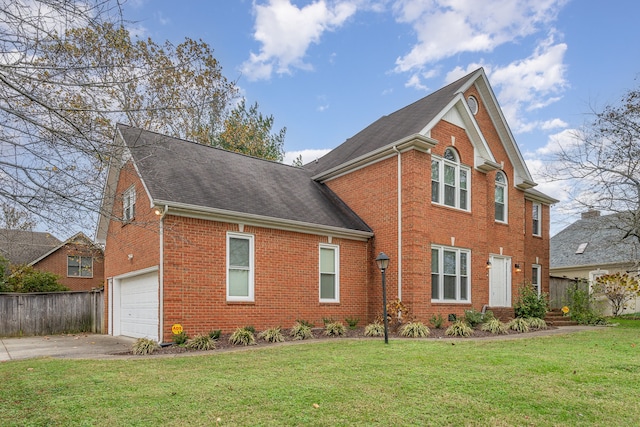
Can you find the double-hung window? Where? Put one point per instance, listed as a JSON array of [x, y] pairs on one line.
[[329, 273], [129, 204], [501, 197], [450, 181], [536, 276], [240, 267], [450, 274], [536, 214], [79, 266]]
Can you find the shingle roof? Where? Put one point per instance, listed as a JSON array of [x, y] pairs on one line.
[[22, 246], [605, 241], [197, 175], [404, 122]]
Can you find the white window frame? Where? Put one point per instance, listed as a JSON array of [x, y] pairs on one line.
[[80, 275], [441, 274], [250, 268], [129, 204], [336, 273], [502, 185], [438, 177], [536, 277], [536, 220]]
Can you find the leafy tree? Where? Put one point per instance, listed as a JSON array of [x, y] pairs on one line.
[[69, 71], [620, 289], [25, 278], [602, 163], [249, 132]]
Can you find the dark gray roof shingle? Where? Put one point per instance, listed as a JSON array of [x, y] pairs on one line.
[[179, 171], [407, 121], [22, 246], [604, 236]]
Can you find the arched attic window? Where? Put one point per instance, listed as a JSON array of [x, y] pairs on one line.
[[501, 197], [450, 180]]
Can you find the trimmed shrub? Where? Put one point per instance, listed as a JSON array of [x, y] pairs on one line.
[[352, 322], [495, 326], [181, 338], [334, 329], [459, 328], [242, 336], [529, 303], [375, 329], [272, 335], [144, 346], [519, 324], [473, 317], [201, 342], [437, 321], [414, 330], [215, 334], [301, 331]]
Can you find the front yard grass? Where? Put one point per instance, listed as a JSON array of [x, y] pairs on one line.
[[586, 378]]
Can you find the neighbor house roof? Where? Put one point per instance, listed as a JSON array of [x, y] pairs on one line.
[[195, 177], [79, 239], [593, 241], [23, 246]]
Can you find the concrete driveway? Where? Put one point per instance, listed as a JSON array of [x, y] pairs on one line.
[[80, 346]]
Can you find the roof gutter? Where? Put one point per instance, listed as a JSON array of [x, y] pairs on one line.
[[222, 215]]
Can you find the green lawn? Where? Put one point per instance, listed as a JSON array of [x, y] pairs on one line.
[[587, 378]]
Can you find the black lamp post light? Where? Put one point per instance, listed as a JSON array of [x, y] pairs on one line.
[[383, 262]]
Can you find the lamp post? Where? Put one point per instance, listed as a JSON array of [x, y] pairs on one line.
[[383, 262]]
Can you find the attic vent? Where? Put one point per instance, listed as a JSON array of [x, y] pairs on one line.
[[581, 248], [472, 102]]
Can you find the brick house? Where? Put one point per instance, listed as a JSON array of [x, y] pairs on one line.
[[215, 240], [78, 262]]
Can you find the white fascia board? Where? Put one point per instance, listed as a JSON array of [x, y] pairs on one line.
[[412, 142], [213, 214]]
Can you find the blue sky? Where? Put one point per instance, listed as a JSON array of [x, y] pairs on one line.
[[325, 69]]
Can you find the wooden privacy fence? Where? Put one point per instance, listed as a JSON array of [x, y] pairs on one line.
[[45, 313], [559, 290]]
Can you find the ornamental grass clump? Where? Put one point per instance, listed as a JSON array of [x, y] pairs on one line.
[[536, 323], [414, 330], [519, 324], [201, 342], [495, 326], [334, 329], [459, 328], [374, 330], [242, 336], [272, 335], [301, 331], [144, 346]]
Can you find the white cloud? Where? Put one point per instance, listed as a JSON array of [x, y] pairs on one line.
[[307, 155], [445, 28], [286, 32]]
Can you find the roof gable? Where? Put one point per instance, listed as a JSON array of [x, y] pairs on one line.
[[593, 242], [79, 239], [195, 177], [418, 118]]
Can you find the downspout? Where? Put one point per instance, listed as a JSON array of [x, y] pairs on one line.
[[399, 180], [161, 273]]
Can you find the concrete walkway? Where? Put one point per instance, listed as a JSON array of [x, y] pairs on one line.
[[79, 346], [94, 346]]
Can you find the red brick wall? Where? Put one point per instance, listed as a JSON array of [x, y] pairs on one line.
[[139, 238], [286, 278], [56, 263], [372, 193]]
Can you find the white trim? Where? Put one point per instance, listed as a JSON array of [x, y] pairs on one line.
[[336, 273], [505, 194], [538, 276], [459, 168], [441, 249], [251, 267], [399, 225], [508, 278], [538, 232]]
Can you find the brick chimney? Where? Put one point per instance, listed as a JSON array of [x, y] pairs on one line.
[[591, 213]]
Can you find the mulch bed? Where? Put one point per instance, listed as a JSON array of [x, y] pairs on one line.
[[223, 344]]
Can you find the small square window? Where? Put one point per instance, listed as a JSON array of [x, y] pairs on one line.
[[79, 266]]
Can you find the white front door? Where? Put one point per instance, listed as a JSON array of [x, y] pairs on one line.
[[500, 282]]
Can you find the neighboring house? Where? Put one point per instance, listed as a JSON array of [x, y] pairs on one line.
[[593, 246], [77, 261], [211, 239]]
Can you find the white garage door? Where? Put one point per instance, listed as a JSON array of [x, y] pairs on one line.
[[139, 306]]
